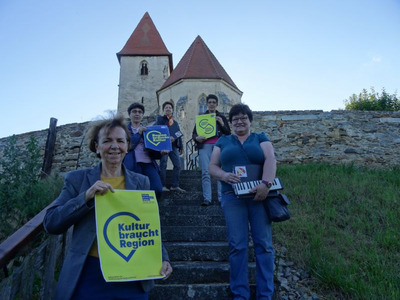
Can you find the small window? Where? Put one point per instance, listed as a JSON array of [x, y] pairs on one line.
[[202, 105], [144, 70]]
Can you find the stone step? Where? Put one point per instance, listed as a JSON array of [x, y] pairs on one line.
[[187, 178], [218, 291], [192, 199], [193, 233], [185, 210], [200, 251], [172, 198], [193, 185], [192, 220], [213, 291], [203, 272]]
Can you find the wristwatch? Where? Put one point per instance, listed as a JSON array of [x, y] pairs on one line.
[[267, 183]]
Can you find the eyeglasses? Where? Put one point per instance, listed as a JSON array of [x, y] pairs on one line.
[[211, 102], [242, 119], [136, 111]]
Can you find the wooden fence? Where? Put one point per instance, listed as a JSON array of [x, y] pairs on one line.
[[34, 278]]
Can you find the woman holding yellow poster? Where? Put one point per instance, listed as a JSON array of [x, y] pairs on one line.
[[81, 276]]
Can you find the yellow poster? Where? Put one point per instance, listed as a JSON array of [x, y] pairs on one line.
[[206, 125], [128, 235]]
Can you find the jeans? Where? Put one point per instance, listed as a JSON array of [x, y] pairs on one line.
[[205, 155], [238, 214], [151, 170], [176, 161]]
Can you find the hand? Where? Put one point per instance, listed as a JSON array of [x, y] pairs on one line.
[[166, 269], [172, 139], [99, 187], [231, 178], [261, 192], [142, 129], [181, 151], [220, 121], [201, 139]]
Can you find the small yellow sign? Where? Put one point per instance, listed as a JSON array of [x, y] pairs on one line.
[[128, 235], [206, 125]]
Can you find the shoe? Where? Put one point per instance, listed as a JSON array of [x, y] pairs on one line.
[[165, 189], [206, 203], [177, 189]]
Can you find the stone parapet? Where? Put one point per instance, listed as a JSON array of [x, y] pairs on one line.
[[366, 138]]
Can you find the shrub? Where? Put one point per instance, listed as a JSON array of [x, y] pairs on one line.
[[22, 193], [373, 101]]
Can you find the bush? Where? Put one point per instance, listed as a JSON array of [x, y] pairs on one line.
[[373, 101], [22, 193]]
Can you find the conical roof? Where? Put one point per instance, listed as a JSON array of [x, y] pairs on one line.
[[198, 63], [145, 41]]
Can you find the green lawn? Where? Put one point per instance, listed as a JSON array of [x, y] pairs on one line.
[[345, 228]]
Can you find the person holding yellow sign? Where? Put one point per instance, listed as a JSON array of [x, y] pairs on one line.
[[81, 276], [205, 143]]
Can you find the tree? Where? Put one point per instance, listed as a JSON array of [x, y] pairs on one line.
[[373, 101]]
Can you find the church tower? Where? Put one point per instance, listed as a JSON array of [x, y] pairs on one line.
[[145, 64], [197, 74]]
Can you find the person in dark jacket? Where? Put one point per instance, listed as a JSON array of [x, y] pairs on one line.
[[206, 146], [177, 147], [81, 276], [139, 159]]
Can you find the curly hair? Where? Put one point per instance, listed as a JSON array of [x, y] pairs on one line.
[[92, 135], [166, 103], [240, 108], [135, 105]]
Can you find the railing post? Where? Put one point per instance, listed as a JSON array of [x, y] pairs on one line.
[[53, 250], [50, 146]]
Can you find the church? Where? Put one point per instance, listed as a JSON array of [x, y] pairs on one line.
[[147, 76]]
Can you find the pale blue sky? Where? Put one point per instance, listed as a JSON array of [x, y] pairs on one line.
[[57, 58]]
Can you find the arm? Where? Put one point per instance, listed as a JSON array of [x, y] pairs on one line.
[[214, 168], [72, 205], [269, 171], [166, 266], [135, 139], [224, 125], [198, 139]]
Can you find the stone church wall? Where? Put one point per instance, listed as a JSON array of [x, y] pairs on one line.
[[133, 86], [338, 137]]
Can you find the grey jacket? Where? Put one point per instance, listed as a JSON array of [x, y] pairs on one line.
[[70, 209]]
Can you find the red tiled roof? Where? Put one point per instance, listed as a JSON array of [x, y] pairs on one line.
[[145, 41], [198, 62]]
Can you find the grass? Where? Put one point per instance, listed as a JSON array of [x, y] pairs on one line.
[[345, 228]]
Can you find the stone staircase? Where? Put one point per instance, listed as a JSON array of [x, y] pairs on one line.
[[195, 237]]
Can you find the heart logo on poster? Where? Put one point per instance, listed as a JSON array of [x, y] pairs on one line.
[[155, 137], [107, 239]]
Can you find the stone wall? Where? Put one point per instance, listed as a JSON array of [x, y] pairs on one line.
[[364, 138], [336, 137]]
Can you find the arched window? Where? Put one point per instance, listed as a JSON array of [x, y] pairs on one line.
[[202, 104], [144, 70]]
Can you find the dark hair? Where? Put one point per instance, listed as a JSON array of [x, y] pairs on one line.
[[92, 135], [240, 108], [211, 96], [135, 105], [166, 103]]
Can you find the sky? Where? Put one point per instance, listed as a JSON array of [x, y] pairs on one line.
[[58, 58]]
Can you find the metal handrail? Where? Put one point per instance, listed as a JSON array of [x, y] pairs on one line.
[[192, 155]]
